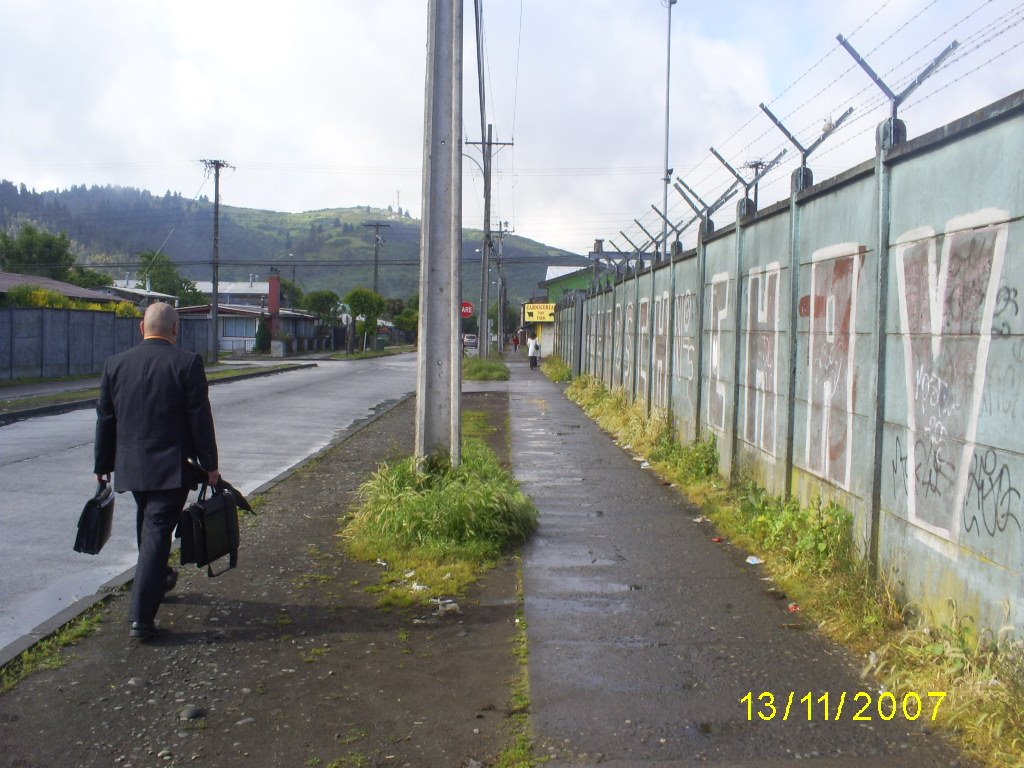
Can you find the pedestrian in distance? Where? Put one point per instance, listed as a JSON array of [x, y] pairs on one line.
[[515, 343], [153, 415], [533, 350]]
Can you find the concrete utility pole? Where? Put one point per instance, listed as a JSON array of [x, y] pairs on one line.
[[439, 370], [377, 242], [215, 166]]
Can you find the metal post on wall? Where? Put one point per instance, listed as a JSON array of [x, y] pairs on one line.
[[802, 178], [890, 133], [675, 250], [650, 321], [634, 364]]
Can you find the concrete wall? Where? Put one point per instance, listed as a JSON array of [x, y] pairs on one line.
[[862, 341], [51, 343]]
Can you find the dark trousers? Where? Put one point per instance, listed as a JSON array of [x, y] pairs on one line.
[[533, 361], [158, 513]]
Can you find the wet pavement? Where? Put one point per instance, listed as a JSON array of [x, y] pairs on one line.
[[645, 635]]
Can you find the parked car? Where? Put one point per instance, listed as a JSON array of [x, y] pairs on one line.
[[469, 340]]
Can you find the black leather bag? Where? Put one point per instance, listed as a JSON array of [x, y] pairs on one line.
[[209, 530], [96, 520]]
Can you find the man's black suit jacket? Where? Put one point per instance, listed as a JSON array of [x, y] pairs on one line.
[[152, 415]]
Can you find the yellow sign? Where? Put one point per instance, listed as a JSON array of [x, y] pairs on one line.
[[538, 313]]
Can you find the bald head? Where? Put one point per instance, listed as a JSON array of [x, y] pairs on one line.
[[160, 320]]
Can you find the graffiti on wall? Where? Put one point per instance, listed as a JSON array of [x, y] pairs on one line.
[[831, 311], [661, 312], [642, 350], [628, 344], [762, 359], [619, 347], [607, 347], [684, 348], [948, 291], [717, 364]]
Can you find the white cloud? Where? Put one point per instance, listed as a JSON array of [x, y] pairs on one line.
[[320, 103]]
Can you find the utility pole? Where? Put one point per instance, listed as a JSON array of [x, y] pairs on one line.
[[486, 149], [378, 241], [503, 231], [215, 166], [439, 371]]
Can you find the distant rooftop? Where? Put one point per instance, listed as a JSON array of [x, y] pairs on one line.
[[554, 272], [237, 288], [9, 280]]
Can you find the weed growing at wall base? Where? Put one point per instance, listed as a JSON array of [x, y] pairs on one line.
[[556, 369]]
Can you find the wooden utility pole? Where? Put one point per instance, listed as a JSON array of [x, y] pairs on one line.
[[215, 166]]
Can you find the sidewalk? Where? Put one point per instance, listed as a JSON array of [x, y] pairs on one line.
[[644, 635]]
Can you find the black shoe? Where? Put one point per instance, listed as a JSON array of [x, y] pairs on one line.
[[172, 579], [144, 630]]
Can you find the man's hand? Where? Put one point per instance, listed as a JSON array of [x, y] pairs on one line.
[[212, 477], [103, 478]]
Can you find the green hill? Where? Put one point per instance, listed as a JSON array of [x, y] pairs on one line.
[[326, 249]]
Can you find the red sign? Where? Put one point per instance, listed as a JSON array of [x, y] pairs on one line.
[[467, 309]]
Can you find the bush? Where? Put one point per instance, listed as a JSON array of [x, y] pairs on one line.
[[27, 295], [262, 343]]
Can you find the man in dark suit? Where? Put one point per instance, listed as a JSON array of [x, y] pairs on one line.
[[152, 416]]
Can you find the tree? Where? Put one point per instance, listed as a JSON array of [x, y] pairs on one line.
[[164, 277], [326, 305], [291, 294], [370, 305], [408, 320], [88, 278], [394, 307], [34, 252], [511, 317], [262, 343]]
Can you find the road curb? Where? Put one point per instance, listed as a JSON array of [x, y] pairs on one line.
[[77, 405]]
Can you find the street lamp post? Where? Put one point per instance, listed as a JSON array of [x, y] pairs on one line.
[[668, 171]]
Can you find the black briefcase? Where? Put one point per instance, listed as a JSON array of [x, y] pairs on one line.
[[96, 520], [209, 530]]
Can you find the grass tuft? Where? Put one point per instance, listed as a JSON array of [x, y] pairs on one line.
[[477, 369], [445, 525], [49, 653]]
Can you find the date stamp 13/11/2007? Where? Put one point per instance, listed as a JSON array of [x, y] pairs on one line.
[[861, 706]]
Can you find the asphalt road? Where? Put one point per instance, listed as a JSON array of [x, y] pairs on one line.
[[265, 426]]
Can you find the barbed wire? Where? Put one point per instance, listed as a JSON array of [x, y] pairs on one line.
[[867, 100]]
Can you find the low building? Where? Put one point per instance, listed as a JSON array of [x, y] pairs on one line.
[[237, 325], [538, 314]]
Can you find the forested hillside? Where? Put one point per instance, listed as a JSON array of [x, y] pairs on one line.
[[328, 249]]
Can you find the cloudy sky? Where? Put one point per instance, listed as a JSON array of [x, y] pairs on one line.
[[319, 103]]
